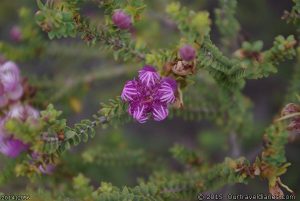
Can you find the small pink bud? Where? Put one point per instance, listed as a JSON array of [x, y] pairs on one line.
[[15, 34], [121, 19], [187, 53]]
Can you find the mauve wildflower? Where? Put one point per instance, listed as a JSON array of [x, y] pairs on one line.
[[15, 33], [10, 83], [9, 145], [12, 147], [9, 76], [121, 19], [149, 95], [187, 53], [22, 112]]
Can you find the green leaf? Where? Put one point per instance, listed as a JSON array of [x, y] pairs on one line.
[[69, 134]]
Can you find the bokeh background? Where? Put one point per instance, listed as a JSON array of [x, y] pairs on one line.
[[82, 77]]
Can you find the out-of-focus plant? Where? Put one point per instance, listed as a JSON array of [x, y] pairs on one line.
[[28, 42], [191, 79]]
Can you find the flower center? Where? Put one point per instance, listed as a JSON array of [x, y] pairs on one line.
[[149, 95]]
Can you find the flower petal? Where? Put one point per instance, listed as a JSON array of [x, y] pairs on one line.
[[9, 75], [167, 90], [3, 101], [139, 113], [16, 93], [160, 112], [12, 147], [9, 66], [129, 91], [22, 112], [148, 76]]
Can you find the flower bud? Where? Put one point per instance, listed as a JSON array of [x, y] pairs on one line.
[[10, 85], [121, 19], [187, 53], [15, 34]]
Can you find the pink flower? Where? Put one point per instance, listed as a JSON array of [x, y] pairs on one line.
[[149, 95], [22, 112], [160, 112], [167, 88], [121, 19], [9, 76], [9, 145], [10, 83], [139, 113], [187, 53], [129, 91], [12, 147], [15, 33]]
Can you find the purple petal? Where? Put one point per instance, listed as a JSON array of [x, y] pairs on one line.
[[148, 76], [12, 147], [167, 90], [3, 101], [129, 91], [31, 112], [187, 53], [9, 66], [121, 19], [9, 75], [22, 112], [17, 111], [160, 112], [139, 113], [16, 93]]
